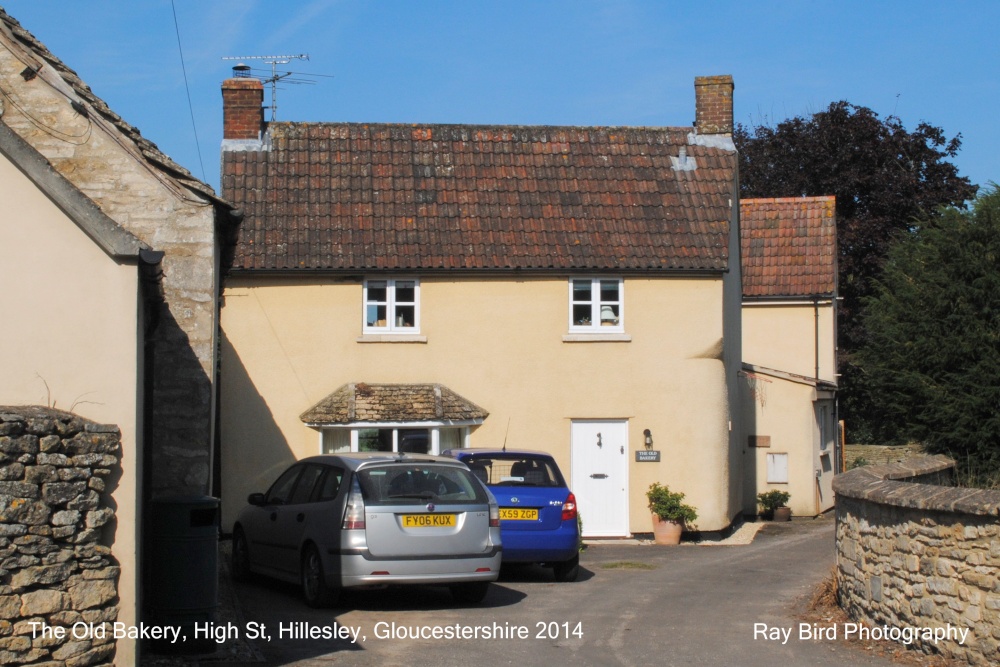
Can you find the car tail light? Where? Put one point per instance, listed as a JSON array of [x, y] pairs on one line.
[[354, 515], [569, 508], [494, 515]]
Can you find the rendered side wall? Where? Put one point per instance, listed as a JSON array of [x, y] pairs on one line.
[[499, 343], [784, 413], [783, 337], [793, 339], [70, 339]]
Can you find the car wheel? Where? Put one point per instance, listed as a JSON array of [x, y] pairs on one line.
[[239, 567], [568, 570], [471, 593], [314, 588]]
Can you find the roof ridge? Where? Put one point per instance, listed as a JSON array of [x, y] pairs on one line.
[[417, 125], [753, 201]]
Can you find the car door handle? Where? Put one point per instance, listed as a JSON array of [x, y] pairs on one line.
[[599, 475], [274, 516], [300, 517]]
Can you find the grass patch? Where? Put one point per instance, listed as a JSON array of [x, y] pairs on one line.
[[626, 565]]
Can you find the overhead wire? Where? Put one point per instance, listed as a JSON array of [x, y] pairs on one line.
[[76, 139], [97, 120], [187, 89]]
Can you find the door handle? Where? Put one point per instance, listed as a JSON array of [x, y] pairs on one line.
[[300, 517], [599, 475], [274, 516]]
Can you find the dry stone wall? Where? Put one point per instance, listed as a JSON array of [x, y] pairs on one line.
[[56, 570], [914, 553]]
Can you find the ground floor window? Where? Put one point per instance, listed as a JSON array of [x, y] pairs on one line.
[[415, 439]]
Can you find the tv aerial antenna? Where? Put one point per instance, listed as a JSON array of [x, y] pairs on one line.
[[241, 69]]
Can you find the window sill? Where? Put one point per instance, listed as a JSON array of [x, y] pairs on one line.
[[392, 338], [597, 338]]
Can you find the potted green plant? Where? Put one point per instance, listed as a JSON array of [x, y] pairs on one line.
[[670, 514], [773, 505]]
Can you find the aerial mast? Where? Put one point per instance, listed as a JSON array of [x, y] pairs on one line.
[[244, 70]]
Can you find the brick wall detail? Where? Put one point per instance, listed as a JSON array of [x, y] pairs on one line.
[[714, 104], [912, 552], [56, 567], [242, 108]]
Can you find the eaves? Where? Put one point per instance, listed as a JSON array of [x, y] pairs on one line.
[[472, 273]]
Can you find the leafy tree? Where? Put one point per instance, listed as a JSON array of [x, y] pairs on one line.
[[884, 177], [932, 356]]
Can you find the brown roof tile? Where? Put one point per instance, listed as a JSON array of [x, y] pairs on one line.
[[361, 402], [788, 246], [360, 197]]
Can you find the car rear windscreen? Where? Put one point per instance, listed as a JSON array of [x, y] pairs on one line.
[[515, 471], [417, 484]]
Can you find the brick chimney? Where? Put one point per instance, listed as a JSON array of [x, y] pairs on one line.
[[242, 108], [713, 103]]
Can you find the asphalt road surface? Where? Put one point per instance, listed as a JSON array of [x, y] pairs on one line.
[[632, 605]]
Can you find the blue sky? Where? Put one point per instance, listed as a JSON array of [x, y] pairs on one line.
[[578, 62]]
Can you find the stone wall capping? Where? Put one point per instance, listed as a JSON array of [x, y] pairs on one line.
[[879, 483], [100, 428]]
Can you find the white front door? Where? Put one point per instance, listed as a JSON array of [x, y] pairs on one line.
[[600, 476]]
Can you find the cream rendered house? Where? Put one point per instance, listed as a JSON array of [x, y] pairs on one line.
[[109, 261], [77, 294], [421, 287], [789, 251]]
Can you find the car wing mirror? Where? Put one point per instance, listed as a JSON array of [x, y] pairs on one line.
[[256, 499]]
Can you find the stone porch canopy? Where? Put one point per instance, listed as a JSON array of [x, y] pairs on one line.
[[359, 403]]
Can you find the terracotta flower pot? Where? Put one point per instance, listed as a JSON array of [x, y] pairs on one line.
[[782, 514], [667, 532]]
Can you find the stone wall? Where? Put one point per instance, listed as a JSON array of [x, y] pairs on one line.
[[56, 568], [914, 553]]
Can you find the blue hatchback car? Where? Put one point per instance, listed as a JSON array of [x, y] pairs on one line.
[[538, 521]]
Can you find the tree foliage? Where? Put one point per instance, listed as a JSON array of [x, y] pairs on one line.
[[932, 357], [884, 177]]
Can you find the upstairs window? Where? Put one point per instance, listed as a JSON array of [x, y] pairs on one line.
[[595, 305], [392, 306]]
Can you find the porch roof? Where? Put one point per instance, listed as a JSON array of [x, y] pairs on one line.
[[380, 403]]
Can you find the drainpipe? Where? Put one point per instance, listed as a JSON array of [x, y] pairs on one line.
[[151, 288], [816, 335]]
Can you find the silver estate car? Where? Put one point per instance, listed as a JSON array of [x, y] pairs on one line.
[[370, 519]]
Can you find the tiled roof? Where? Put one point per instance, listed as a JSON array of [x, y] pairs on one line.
[[146, 148], [361, 402], [789, 246], [370, 197]]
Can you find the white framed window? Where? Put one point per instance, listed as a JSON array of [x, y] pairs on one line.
[[411, 438], [392, 305], [596, 305]]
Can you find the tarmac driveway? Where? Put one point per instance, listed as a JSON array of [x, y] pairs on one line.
[[633, 605]]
